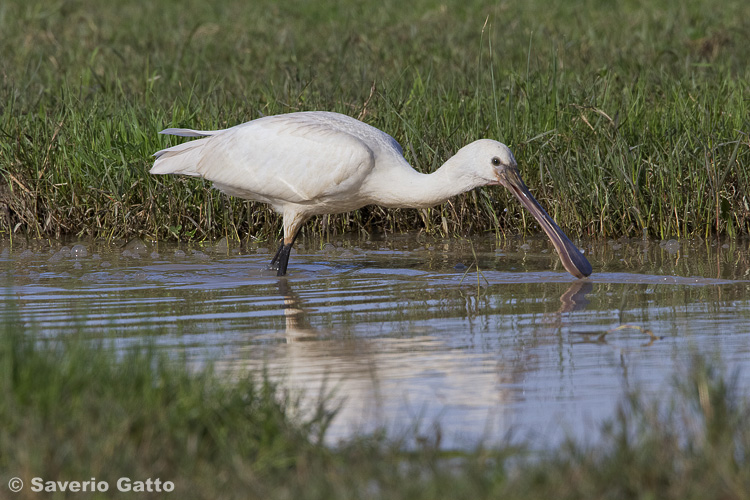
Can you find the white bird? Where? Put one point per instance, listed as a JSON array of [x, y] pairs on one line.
[[313, 163]]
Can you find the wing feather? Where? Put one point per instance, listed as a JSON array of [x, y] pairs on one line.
[[317, 160], [281, 161], [187, 132]]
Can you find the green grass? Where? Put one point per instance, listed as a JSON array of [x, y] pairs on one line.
[[76, 411], [628, 118], [73, 410]]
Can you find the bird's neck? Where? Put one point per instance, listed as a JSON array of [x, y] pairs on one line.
[[407, 188]]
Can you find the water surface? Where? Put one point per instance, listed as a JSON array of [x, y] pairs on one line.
[[403, 330]]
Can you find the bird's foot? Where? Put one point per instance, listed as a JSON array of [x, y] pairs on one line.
[[281, 259]]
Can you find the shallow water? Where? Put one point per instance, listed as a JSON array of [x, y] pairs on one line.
[[402, 332]]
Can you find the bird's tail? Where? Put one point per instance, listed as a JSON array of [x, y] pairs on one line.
[[183, 158]]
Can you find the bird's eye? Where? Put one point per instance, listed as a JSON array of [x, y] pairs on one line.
[[496, 161]]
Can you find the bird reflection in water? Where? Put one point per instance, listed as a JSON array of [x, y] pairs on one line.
[[297, 323]]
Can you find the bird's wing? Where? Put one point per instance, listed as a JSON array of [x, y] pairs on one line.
[[283, 161], [187, 132]]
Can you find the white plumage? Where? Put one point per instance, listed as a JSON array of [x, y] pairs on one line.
[[312, 163]]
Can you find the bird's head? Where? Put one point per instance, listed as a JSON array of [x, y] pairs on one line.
[[494, 163], [486, 161]]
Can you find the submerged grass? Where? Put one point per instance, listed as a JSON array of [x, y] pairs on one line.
[[627, 118], [75, 410]]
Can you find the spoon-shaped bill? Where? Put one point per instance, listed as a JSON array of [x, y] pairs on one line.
[[572, 259]]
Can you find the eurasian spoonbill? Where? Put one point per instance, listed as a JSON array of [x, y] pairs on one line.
[[316, 162]]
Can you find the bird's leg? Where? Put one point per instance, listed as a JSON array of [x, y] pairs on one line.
[[284, 259], [280, 260], [274, 262]]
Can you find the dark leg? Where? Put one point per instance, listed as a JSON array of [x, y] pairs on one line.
[[284, 259], [274, 262], [280, 260]]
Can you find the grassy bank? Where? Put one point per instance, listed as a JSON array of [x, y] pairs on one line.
[[626, 117], [72, 411]]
